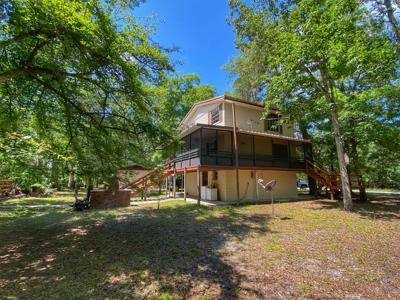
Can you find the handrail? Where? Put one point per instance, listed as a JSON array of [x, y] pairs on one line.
[[318, 167], [159, 169]]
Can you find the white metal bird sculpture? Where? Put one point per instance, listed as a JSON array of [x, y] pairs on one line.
[[268, 187]]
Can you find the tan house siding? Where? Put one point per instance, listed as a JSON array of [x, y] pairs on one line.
[[255, 146], [201, 116], [285, 188], [191, 184]]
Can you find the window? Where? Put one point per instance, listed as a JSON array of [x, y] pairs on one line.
[[215, 114], [271, 123]]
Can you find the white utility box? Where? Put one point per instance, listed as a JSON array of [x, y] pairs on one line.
[[209, 194]]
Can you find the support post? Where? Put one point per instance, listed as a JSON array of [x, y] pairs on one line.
[[141, 195], [258, 193], [166, 187], [184, 183], [145, 190], [198, 186], [272, 202], [174, 183], [236, 152]]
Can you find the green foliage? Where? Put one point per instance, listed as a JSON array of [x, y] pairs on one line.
[[84, 91], [175, 95], [74, 77], [173, 98], [319, 59]]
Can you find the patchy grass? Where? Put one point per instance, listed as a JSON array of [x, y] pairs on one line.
[[311, 250], [377, 190], [57, 198], [153, 195]]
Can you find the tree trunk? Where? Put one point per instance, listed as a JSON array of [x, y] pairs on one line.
[[392, 20], [89, 187], [357, 169], [346, 191], [76, 187], [55, 174], [348, 166], [328, 88], [70, 184]]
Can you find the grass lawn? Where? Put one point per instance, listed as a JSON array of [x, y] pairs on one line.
[[58, 198], [311, 250], [151, 195], [376, 190]]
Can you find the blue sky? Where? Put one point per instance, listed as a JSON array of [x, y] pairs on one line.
[[200, 29]]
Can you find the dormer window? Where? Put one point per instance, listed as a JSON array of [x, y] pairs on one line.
[[271, 123], [215, 115]]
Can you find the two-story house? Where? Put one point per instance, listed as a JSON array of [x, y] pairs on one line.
[[227, 145]]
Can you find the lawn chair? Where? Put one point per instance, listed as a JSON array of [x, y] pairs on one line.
[[81, 204]]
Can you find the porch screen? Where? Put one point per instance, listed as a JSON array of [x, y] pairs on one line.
[[195, 140], [280, 152], [209, 142], [209, 146], [224, 148], [186, 143], [246, 150]]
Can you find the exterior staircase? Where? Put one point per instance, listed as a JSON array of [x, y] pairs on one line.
[[152, 178], [330, 180]]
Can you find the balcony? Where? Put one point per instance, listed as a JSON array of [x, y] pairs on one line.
[[214, 147]]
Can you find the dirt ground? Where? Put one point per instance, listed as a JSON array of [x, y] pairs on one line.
[[312, 249]]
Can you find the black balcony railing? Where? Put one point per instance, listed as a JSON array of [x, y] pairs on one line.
[[187, 159], [226, 158], [207, 146]]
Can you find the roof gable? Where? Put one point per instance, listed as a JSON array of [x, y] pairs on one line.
[[223, 98]]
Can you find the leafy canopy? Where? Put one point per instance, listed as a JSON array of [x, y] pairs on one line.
[[75, 74], [308, 51]]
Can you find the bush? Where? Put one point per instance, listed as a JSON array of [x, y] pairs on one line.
[[37, 188]]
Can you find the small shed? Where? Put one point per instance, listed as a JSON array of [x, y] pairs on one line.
[[131, 173]]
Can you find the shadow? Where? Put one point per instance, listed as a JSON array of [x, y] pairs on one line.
[[176, 252], [378, 208], [381, 196]]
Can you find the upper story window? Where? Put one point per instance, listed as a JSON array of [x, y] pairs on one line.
[[215, 115], [271, 123]]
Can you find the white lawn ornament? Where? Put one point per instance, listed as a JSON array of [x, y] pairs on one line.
[[268, 187]]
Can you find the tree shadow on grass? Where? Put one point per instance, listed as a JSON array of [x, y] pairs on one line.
[[137, 253], [377, 208]]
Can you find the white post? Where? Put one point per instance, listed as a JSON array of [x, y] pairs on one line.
[[174, 183], [258, 193], [272, 200], [199, 174], [184, 184]]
